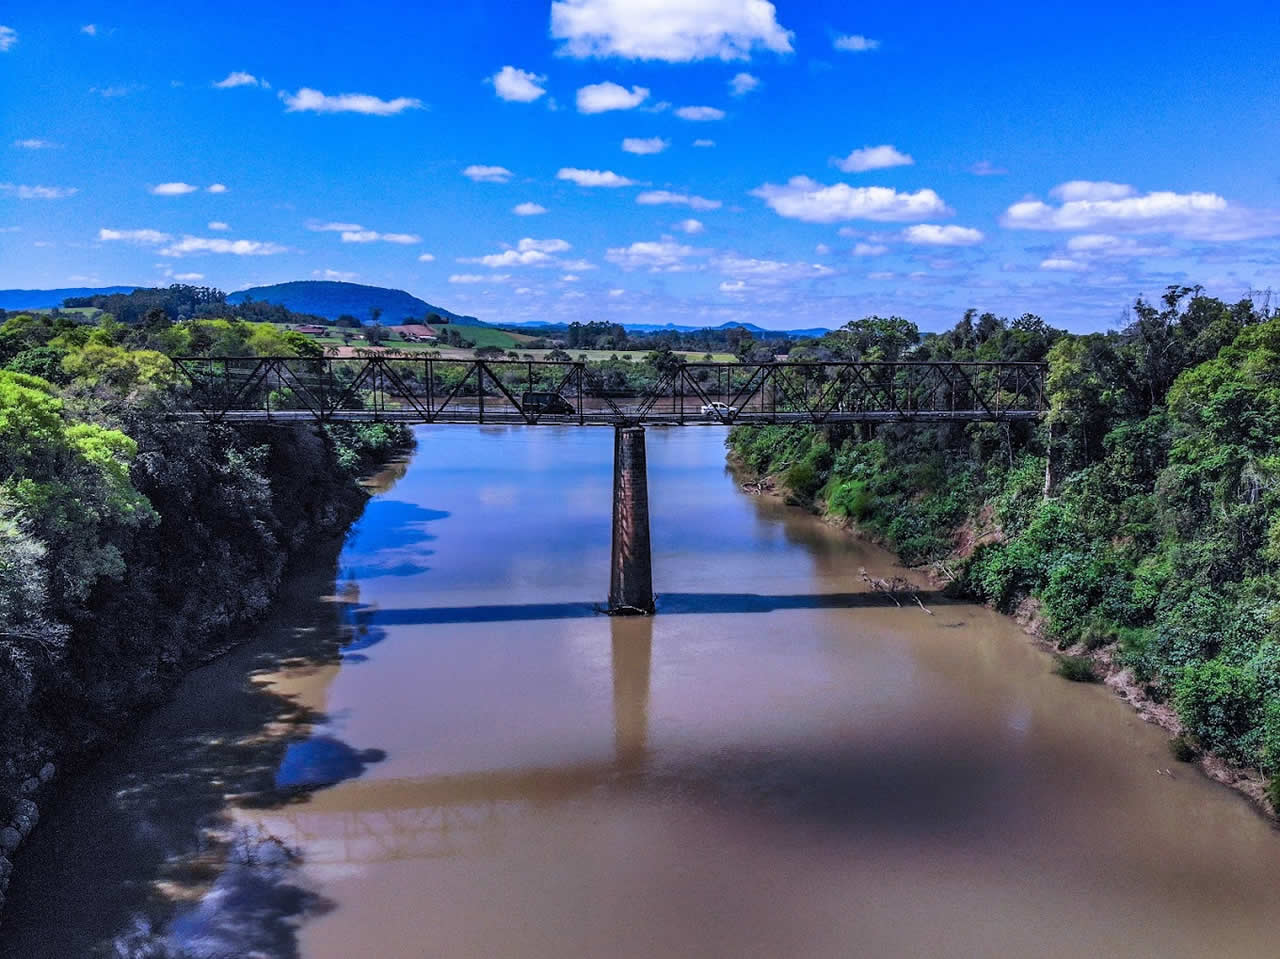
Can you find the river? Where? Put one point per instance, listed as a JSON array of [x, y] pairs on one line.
[[437, 747]]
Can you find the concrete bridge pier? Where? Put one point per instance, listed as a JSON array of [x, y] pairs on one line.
[[631, 579]]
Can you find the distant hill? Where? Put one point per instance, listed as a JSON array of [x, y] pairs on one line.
[[47, 299], [759, 332], [332, 299]]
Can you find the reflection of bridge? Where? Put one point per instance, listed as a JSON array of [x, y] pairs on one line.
[[282, 390], [379, 820]]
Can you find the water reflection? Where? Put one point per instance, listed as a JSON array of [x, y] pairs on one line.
[[631, 640]]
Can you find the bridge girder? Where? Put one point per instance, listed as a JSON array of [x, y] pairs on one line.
[[533, 392]]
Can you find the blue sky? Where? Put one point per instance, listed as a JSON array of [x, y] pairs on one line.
[[698, 161]]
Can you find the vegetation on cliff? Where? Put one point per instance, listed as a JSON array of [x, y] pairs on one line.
[[1160, 536], [130, 543]]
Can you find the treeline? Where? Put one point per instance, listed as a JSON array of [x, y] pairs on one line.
[[129, 542], [184, 302], [599, 335], [1143, 517]]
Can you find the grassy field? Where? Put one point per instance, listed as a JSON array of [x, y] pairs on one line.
[[512, 342]]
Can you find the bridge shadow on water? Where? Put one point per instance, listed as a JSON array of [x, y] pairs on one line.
[[669, 604]]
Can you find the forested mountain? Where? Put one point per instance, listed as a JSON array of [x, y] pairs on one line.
[[47, 299], [331, 299]]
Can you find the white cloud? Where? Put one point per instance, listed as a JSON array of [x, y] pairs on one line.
[[519, 86], [1063, 265], [479, 278], [34, 144], [658, 197], [173, 189], [822, 249], [690, 226], [804, 199], [528, 209], [601, 97], [315, 101], [140, 237], [704, 143], [24, 192], [1091, 190], [645, 146], [543, 246], [570, 278], [1103, 244], [930, 234], [511, 258], [1116, 207], [218, 225], [699, 114], [869, 249], [8, 37], [987, 168], [200, 244], [188, 277], [238, 78], [617, 292], [342, 276], [373, 236], [665, 255], [606, 178], [527, 252], [90, 29], [117, 90], [674, 30], [742, 84], [854, 43], [426, 258], [487, 174], [732, 286], [873, 158], [217, 188], [335, 227], [769, 271]]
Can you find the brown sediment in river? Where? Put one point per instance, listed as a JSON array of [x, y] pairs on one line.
[[1248, 781], [467, 761]]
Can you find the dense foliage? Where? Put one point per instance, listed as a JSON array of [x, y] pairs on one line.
[[1159, 538], [129, 541]]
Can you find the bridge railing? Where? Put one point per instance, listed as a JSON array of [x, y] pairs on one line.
[[439, 390]]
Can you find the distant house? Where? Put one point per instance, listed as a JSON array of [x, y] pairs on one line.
[[312, 330]]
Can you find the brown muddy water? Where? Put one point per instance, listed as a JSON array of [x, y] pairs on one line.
[[442, 750]]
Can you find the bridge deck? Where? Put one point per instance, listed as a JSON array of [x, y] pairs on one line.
[[514, 418]]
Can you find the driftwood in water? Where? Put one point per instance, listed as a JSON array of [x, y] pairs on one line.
[[893, 587], [759, 486]]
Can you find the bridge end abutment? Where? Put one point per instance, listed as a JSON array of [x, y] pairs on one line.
[[631, 572]]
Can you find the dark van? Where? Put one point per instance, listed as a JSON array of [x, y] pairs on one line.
[[533, 402]]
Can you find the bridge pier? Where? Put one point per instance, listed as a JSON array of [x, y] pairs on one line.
[[631, 570]]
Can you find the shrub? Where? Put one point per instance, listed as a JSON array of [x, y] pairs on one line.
[[1078, 669], [852, 499], [1219, 704], [803, 479], [1182, 748]]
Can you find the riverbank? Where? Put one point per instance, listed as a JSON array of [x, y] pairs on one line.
[[210, 564], [1107, 667]]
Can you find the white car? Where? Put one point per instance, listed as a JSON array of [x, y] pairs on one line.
[[716, 408]]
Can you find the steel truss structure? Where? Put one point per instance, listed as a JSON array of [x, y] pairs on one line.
[[532, 392]]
